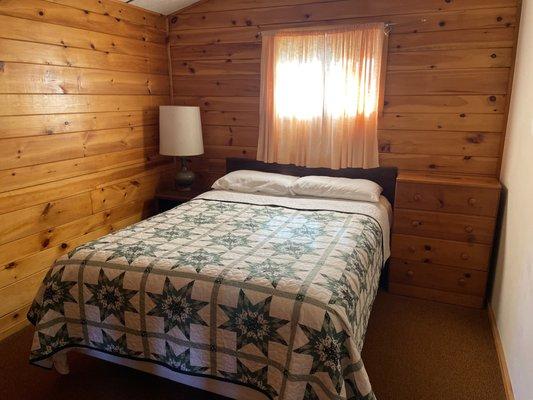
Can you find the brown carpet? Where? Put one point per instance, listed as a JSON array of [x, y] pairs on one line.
[[414, 350]]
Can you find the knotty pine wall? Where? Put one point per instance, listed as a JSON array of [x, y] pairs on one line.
[[446, 90], [80, 85]]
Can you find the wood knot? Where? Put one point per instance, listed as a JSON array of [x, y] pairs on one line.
[[45, 243], [248, 22], [86, 12], [11, 265], [64, 245], [462, 115], [41, 13], [46, 209], [475, 138], [2, 66], [385, 148], [499, 19], [442, 23]]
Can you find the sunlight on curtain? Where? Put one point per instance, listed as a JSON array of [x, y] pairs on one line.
[[319, 97]]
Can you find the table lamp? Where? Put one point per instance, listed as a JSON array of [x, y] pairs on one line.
[[180, 135]]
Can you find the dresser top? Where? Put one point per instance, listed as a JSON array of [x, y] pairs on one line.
[[456, 180]]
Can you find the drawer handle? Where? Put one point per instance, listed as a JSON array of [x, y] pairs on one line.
[[462, 281], [416, 224], [472, 201], [417, 197], [465, 256], [469, 229], [409, 273], [427, 247]]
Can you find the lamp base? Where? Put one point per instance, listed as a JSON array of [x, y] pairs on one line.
[[184, 177]]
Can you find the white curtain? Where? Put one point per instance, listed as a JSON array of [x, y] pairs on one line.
[[320, 92]]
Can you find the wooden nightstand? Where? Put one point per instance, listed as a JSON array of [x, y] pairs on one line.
[[442, 237], [165, 200]]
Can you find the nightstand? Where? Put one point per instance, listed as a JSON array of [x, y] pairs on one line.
[[165, 200]]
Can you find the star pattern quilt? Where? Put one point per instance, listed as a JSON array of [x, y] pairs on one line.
[[271, 297]]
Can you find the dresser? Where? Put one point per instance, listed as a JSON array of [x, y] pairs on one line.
[[442, 239]]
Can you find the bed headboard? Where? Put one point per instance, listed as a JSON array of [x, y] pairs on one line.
[[383, 176]]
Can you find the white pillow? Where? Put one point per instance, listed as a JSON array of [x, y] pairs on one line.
[[247, 181], [337, 188]]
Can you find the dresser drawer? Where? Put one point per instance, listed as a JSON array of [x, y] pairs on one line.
[[462, 228], [441, 296], [448, 198], [440, 277], [443, 252]]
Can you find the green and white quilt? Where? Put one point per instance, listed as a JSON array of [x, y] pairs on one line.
[[271, 296]]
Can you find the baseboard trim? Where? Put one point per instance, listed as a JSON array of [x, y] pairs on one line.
[[501, 355]]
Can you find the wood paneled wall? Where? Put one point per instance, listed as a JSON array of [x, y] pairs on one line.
[[80, 85], [447, 83]]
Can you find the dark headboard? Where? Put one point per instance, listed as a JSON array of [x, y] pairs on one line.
[[383, 176]]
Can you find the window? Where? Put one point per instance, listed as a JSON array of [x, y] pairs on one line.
[[320, 96]]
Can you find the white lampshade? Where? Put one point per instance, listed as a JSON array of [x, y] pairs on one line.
[[180, 131]]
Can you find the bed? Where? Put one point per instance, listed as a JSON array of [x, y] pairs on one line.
[[245, 295]]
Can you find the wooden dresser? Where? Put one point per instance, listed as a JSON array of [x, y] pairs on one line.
[[442, 239]]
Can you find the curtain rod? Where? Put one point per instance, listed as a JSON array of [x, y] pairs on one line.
[[388, 27]]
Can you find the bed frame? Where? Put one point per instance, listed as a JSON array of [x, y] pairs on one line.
[[383, 176]]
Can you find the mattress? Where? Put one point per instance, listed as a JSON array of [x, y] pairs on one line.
[[269, 293]]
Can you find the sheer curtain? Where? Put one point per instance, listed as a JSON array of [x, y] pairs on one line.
[[320, 93]]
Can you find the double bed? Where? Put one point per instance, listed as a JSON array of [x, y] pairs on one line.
[[246, 295]]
